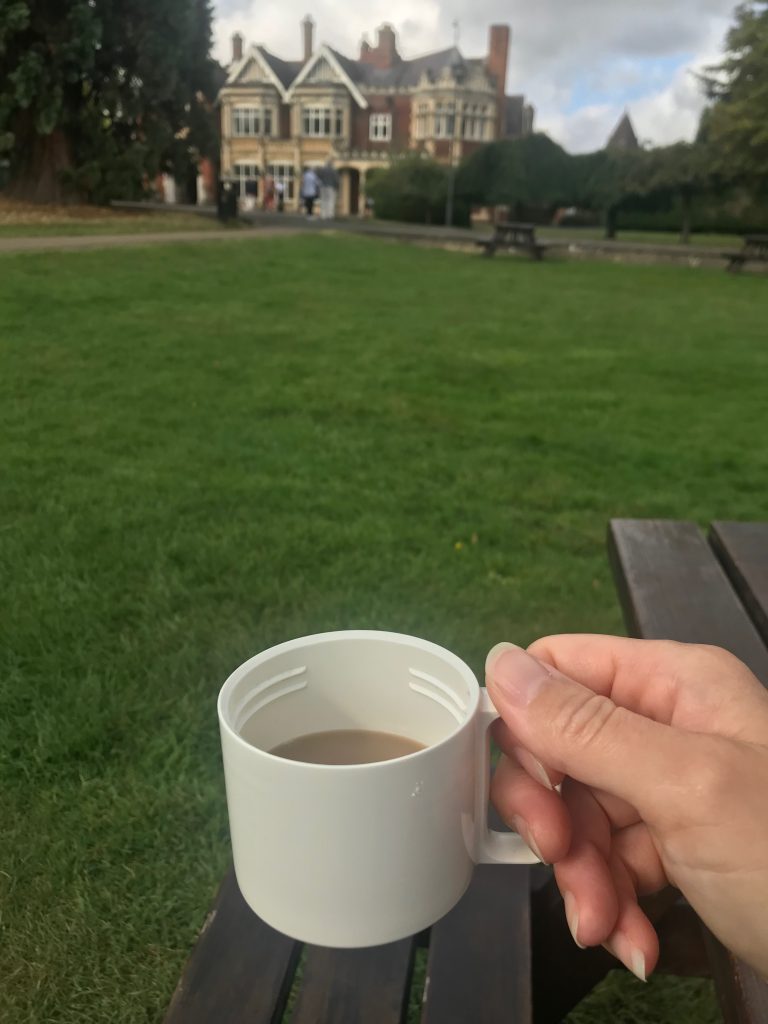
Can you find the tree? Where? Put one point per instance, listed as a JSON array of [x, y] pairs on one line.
[[533, 171], [682, 171], [536, 172], [97, 96], [736, 125], [606, 181], [412, 188]]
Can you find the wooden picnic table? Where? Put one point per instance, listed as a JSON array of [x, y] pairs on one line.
[[504, 954], [512, 235], [755, 249]]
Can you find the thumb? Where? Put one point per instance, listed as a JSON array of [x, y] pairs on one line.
[[584, 734]]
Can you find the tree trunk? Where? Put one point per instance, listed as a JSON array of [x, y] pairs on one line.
[[36, 176], [610, 222], [685, 230]]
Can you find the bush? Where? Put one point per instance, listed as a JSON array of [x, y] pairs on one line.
[[734, 214], [413, 189]]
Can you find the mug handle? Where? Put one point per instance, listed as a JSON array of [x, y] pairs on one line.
[[492, 847]]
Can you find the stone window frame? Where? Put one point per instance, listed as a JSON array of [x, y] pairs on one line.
[[380, 127]]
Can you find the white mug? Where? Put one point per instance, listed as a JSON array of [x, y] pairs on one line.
[[362, 854]]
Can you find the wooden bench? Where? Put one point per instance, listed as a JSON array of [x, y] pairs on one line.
[[504, 954], [675, 584], [755, 250], [510, 236]]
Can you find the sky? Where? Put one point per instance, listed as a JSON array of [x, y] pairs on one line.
[[581, 63]]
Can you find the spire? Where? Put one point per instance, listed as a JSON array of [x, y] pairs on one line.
[[623, 135]]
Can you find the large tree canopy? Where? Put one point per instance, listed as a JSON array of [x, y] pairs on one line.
[[679, 173], [536, 172], [98, 95], [530, 171], [736, 125]]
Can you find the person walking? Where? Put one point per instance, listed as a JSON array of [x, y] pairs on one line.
[[280, 193], [329, 190], [310, 188], [269, 192]]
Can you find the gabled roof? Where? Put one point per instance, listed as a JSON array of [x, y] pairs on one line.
[[432, 64], [356, 75], [326, 53], [258, 54], [264, 59], [406, 73], [286, 70], [354, 69]]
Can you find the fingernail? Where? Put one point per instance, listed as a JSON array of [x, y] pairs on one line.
[[521, 827], [629, 954], [572, 916], [515, 674], [494, 653], [637, 963], [533, 766]]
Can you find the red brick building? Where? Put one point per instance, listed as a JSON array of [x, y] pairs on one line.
[[280, 116]]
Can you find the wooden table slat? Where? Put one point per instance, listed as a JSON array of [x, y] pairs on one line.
[[743, 550], [240, 970], [672, 587], [556, 956], [479, 967], [352, 986]]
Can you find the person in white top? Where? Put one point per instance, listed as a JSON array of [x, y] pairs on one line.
[[329, 190], [310, 188]]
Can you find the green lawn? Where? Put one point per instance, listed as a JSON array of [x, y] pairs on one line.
[[112, 222], [208, 449]]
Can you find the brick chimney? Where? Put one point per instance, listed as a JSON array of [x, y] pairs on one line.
[[237, 47], [384, 54], [386, 44], [496, 63], [307, 32]]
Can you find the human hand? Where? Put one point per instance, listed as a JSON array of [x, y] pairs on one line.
[[662, 751]]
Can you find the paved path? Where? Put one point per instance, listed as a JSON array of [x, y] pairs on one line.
[[41, 243], [270, 225]]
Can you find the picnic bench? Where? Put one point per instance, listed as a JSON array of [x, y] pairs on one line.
[[518, 237], [755, 249], [504, 954]]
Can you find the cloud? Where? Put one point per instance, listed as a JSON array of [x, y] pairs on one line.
[[580, 63]]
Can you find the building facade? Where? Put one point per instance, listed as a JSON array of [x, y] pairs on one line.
[[278, 116]]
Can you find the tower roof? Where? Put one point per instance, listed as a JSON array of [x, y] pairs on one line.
[[623, 135]]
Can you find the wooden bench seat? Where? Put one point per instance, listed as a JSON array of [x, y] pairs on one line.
[[755, 250], [674, 585]]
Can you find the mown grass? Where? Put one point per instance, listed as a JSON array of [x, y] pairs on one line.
[[205, 450]]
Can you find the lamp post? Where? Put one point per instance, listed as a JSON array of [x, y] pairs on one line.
[[459, 75]]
